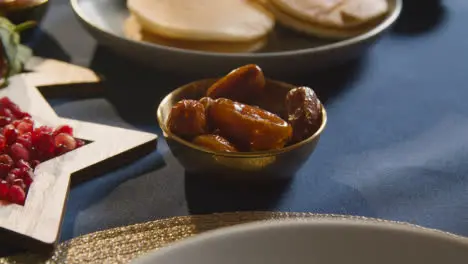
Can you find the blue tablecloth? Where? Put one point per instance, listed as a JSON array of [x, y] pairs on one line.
[[396, 146]]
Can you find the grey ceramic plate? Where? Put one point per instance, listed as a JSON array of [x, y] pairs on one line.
[[286, 52], [320, 241]]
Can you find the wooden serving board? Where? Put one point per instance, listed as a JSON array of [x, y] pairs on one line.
[[36, 225], [57, 78]]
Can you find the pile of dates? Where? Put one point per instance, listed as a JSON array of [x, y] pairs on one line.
[[222, 121]]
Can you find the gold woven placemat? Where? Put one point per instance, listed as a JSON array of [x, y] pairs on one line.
[[122, 244]]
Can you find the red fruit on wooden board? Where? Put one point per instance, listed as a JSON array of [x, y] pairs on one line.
[[16, 195], [10, 133], [19, 152], [63, 129], [24, 127], [4, 189], [25, 140], [22, 164], [44, 145], [20, 183], [65, 140], [23, 147], [34, 163], [79, 142], [6, 164], [4, 120], [2, 142], [27, 176], [6, 112]]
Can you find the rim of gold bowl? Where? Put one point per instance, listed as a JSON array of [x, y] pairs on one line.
[[8, 5]]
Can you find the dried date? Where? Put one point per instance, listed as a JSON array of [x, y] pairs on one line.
[[240, 84], [206, 102], [187, 119], [304, 112], [249, 127], [215, 143]]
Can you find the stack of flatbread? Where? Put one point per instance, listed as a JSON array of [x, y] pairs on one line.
[[242, 25], [217, 25], [328, 18]]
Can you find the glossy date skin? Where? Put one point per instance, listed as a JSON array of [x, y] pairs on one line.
[[187, 119], [241, 84], [206, 102], [304, 112], [250, 128], [214, 143]]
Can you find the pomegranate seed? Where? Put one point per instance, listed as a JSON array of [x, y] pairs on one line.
[[25, 140], [28, 176], [6, 112], [64, 129], [4, 188], [79, 142], [28, 119], [5, 159], [20, 183], [16, 195], [18, 152], [22, 115], [6, 163], [4, 169], [4, 121], [10, 178], [5, 101], [45, 146], [60, 150], [65, 141], [35, 163], [24, 127], [39, 131], [16, 123], [10, 134], [14, 108], [17, 172], [2, 142], [44, 129], [23, 164]]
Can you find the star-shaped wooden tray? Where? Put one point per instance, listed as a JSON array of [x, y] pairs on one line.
[[36, 225]]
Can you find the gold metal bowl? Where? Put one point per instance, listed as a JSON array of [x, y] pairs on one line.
[[274, 164], [29, 11]]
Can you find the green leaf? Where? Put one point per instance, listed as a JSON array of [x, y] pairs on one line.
[[24, 54], [14, 55]]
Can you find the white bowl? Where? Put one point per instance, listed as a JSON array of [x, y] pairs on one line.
[[104, 20], [322, 241]]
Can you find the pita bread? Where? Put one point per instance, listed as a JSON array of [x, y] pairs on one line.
[[364, 10], [340, 14], [314, 29], [133, 30], [203, 20]]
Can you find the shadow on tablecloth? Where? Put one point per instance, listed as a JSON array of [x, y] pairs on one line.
[[420, 16], [44, 45], [206, 195]]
